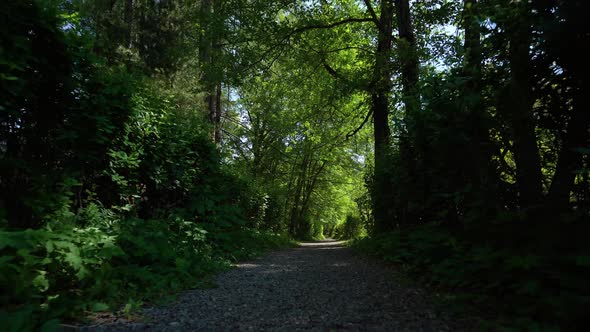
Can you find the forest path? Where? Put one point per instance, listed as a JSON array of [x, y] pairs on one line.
[[318, 286]]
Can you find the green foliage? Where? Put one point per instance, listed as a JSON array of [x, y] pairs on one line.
[[61, 110], [46, 272], [546, 290], [112, 192], [351, 228], [62, 272]]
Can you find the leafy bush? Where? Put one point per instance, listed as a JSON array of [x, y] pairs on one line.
[[351, 228], [45, 274], [112, 191], [547, 289], [53, 273]]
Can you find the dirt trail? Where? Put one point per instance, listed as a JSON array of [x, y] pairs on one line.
[[318, 286]]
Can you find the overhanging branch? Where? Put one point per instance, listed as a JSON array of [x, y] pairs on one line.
[[332, 71], [330, 25], [367, 117], [284, 41], [372, 13]]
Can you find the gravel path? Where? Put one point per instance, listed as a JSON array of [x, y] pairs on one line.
[[318, 286]]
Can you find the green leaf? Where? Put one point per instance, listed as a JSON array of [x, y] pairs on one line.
[[49, 247], [99, 306], [41, 282]]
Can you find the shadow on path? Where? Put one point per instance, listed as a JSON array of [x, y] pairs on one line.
[[318, 286]]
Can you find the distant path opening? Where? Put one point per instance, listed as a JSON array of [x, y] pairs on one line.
[[323, 243]]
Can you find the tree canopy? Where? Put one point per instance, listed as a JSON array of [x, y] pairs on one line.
[[145, 144]]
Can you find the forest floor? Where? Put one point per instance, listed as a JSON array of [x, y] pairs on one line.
[[317, 286]]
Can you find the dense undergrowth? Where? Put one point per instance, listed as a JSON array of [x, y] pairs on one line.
[[62, 271], [513, 278], [112, 193]]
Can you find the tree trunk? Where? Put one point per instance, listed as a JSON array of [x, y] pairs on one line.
[[217, 118], [380, 107], [566, 33], [208, 51], [314, 173], [128, 17], [409, 75], [408, 56], [216, 54], [570, 160], [295, 210], [472, 93], [472, 44], [311, 186], [526, 152], [479, 148]]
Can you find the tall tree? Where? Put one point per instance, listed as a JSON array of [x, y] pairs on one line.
[[380, 96], [209, 53], [520, 109], [409, 58], [414, 126], [565, 30], [479, 169]]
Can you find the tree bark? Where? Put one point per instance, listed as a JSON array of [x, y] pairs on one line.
[[208, 51], [472, 44], [472, 95], [295, 210], [128, 17], [478, 165], [414, 126], [380, 108], [217, 115], [526, 152], [409, 58], [570, 32], [570, 160]]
